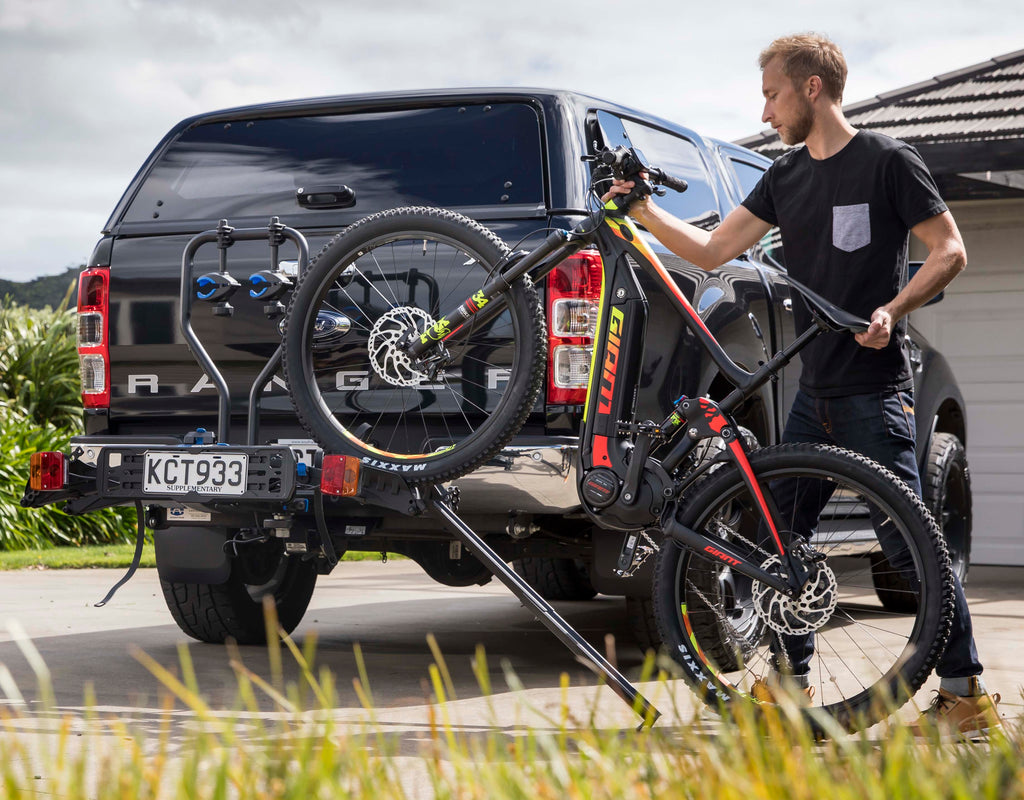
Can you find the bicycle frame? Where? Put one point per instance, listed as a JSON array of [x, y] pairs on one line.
[[620, 485]]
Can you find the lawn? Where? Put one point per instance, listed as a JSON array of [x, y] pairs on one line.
[[106, 555]]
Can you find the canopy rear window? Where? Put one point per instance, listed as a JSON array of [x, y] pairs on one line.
[[455, 157]]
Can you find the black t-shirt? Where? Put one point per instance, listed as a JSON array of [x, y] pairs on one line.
[[844, 222]]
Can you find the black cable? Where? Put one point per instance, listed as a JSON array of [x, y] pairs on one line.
[[140, 538]]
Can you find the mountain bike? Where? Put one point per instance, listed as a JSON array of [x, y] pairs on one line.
[[416, 340]]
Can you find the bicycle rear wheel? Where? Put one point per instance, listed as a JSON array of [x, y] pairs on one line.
[[388, 276], [739, 640]]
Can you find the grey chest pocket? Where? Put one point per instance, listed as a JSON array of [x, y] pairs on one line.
[[851, 227]]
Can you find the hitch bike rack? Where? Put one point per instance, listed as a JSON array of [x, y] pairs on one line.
[[119, 475]]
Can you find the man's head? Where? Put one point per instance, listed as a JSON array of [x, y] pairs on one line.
[[799, 72]]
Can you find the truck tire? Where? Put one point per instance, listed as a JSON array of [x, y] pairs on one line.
[[946, 486], [388, 277], [642, 623], [216, 612], [556, 578]]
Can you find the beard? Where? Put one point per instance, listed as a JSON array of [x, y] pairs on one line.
[[801, 127]]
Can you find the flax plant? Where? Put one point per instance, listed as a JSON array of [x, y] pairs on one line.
[[300, 750], [41, 409]]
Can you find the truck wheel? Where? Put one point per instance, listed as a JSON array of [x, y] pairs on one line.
[[946, 485], [642, 624], [556, 578], [216, 612]]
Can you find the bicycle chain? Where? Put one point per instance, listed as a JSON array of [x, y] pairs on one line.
[[728, 630], [721, 526]]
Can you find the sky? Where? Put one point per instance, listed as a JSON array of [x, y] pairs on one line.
[[90, 86]]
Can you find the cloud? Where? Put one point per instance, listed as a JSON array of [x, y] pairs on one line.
[[90, 88]]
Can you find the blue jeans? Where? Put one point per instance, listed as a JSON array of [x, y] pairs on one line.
[[880, 426]]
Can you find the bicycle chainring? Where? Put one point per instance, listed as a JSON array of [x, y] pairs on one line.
[[801, 615]]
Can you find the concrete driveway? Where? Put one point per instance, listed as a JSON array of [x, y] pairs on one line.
[[389, 609]]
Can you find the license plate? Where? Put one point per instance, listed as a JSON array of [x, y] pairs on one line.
[[202, 473]]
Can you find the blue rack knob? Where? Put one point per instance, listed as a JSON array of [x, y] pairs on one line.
[[269, 285], [214, 287]]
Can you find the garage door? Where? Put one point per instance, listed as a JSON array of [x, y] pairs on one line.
[[979, 327]]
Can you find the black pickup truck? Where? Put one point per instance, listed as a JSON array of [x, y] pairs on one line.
[[509, 158]]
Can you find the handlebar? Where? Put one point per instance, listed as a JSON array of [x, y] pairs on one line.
[[625, 164], [663, 178]]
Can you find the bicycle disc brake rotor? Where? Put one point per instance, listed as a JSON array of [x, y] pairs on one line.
[[803, 614], [388, 361]]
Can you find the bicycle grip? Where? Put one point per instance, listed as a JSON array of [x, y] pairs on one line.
[[674, 183]]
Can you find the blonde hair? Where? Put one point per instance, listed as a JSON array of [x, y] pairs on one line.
[[805, 54]]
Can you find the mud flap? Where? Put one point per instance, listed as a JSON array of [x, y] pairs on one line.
[[192, 555]]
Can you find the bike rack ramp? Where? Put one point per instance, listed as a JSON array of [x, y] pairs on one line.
[[388, 489], [587, 654]]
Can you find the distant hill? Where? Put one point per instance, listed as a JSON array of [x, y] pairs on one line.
[[46, 291]]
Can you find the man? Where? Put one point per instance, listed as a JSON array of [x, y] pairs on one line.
[[844, 204]]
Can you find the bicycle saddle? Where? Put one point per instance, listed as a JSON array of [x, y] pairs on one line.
[[832, 315]]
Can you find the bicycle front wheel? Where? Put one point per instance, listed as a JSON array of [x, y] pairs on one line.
[[387, 277], [836, 648]]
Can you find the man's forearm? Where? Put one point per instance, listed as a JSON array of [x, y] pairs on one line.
[[739, 231], [685, 240], [941, 266]]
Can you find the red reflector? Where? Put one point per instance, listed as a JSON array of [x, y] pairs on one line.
[[92, 288], [339, 476], [46, 471]]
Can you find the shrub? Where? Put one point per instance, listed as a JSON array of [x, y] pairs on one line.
[[39, 364], [24, 528]]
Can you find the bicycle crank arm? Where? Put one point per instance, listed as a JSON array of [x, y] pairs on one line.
[[714, 548]]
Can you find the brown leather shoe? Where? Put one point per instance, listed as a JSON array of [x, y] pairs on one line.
[[766, 692], [951, 715]]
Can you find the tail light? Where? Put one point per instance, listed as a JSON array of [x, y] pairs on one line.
[[47, 471], [339, 476], [94, 336], [574, 296]]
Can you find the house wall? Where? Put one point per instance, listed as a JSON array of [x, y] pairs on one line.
[[979, 327]]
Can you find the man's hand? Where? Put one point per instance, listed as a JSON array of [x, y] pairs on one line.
[[617, 188], [706, 249], [878, 333], [638, 210]]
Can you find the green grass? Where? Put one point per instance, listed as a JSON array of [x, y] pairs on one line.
[[303, 751], [91, 556], [110, 555]]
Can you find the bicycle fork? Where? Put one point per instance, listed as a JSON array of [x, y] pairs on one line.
[[704, 419]]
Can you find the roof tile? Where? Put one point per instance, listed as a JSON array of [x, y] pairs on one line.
[[982, 101]]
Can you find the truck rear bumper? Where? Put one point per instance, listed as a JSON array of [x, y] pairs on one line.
[[531, 478], [536, 478]]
